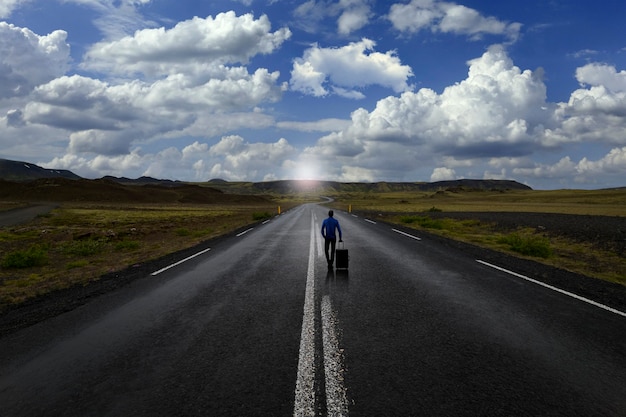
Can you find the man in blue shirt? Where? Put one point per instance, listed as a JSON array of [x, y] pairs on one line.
[[330, 239]]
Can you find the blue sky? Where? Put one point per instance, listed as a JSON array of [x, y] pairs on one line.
[[347, 90]]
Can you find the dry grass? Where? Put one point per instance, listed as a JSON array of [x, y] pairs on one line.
[[584, 257], [81, 242], [592, 202]]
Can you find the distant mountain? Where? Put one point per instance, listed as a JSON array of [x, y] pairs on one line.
[[25, 171], [143, 181], [295, 186], [102, 190], [17, 171]]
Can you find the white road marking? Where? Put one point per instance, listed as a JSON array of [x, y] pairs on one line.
[[370, 221], [179, 262], [406, 234], [543, 284], [336, 398], [305, 383], [244, 232], [266, 221]]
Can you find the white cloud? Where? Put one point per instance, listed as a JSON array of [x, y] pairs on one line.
[[355, 15], [324, 125], [496, 111], [351, 15], [498, 117], [107, 119], [191, 46], [443, 174], [235, 159], [447, 17], [584, 172], [116, 18], [8, 6], [347, 68], [27, 59], [602, 75]]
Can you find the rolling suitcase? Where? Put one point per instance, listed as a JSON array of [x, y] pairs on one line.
[[341, 256]]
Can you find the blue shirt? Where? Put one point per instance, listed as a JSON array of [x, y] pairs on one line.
[[328, 228]]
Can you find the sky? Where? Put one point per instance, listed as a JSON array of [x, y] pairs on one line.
[[344, 90]]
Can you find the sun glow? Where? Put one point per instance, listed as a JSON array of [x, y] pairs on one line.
[[305, 171]]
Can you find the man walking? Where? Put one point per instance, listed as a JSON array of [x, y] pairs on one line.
[[330, 239]]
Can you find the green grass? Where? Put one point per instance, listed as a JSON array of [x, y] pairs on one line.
[[412, 208], [85, 247], [27, 258], [535, 246], [259, 216], [79, 242]]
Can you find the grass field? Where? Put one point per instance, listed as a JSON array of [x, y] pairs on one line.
[[584, 253], [595, 202], [78, 243]]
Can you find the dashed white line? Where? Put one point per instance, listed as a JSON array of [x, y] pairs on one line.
[[244, 232], [406, 234], [179, 262], [370, 221], [543, 284]]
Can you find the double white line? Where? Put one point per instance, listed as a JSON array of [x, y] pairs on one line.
[[336, 399]]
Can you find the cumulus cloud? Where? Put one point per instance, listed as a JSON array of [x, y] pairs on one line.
[[447, 17], [232, 158], [7, 7], [348, 68], [594, 113], [355, 15], [351, 15], [107, 118], [602, 75], [496, 111], [584, 172], [28, 59], [498, 117], [186, 97], [443, 174], [190, 45]]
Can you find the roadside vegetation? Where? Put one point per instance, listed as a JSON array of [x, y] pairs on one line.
[[77, 243], [436, 213]]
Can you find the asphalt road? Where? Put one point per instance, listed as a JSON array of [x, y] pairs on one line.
[[258, 326]]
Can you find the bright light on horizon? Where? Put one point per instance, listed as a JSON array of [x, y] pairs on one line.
[[305, 171]]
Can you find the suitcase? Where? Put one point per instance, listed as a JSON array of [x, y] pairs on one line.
[[341, 257]]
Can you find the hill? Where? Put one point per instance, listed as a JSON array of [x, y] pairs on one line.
[[295, 186], [103, 191], [16, 171], [25, 171]]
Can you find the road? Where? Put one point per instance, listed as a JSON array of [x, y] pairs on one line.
[[258, 326]]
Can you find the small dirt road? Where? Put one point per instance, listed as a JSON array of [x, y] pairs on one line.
[[24, 214]]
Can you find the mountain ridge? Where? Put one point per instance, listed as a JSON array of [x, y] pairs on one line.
[[24, 172]]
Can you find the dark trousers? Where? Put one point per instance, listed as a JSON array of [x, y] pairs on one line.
[[330, 243]]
